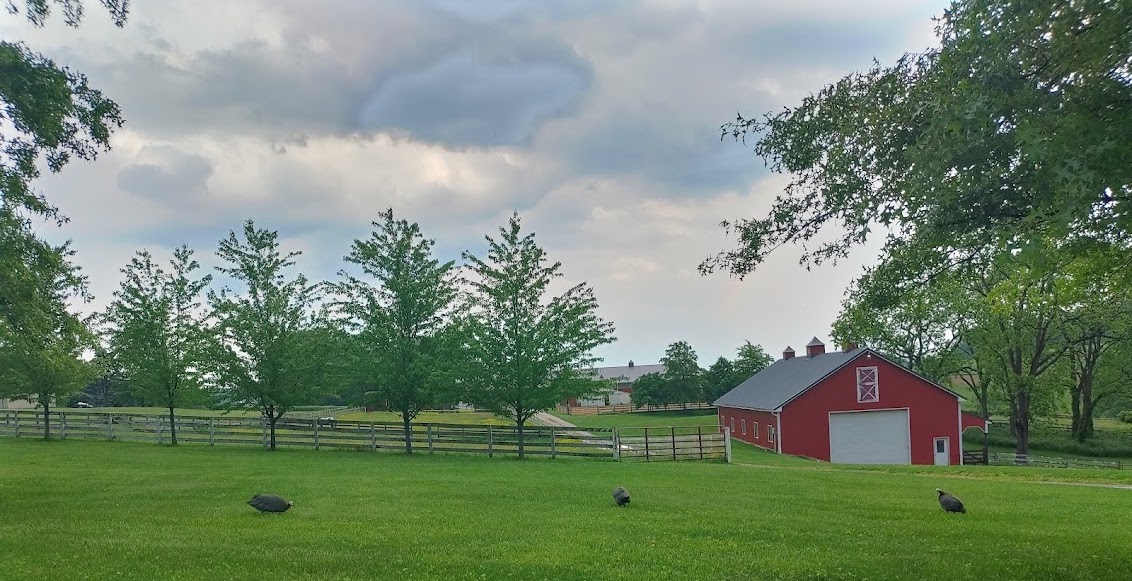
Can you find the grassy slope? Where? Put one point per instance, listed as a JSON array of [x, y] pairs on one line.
[[96, 510]]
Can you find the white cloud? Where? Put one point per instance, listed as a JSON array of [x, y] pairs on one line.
[[259, 110]]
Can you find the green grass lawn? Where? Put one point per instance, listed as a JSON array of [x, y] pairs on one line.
[[98, 510], [643, 419]]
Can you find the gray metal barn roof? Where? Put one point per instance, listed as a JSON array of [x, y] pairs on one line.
[[784, 379], [625, 373]]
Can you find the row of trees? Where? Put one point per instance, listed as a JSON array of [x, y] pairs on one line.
[[684, 381], [408, 331], [996, 166], [1027, 332]]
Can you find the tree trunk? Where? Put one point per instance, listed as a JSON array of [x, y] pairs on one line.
[[519, 426], [46, 402], [172, 427], [1075, 409], [1022, 422], [272, 421], [408, 433], [1085, 430]]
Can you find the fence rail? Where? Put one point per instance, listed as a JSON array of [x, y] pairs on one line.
[[1006, 459], [325, 412], [649, 444], [628, 408]]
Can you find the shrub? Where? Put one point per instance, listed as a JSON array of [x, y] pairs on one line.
[[1125, 417]]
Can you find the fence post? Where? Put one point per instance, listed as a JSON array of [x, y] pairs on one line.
[[429, 438], [727, 443], [110, 427], [373, 437], [490, 451], [263, 430], [17, 424], [673, 442], [700, 440], [553, 448], [616, 444], [62, 425], [316, 423], [646, 444], [160, 424], [211, 431]]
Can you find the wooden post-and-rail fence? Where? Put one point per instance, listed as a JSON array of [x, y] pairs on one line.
[[622, 444]]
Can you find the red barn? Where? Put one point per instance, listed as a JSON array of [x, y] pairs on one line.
[[853, 406]]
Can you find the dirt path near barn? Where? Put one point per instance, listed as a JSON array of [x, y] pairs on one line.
[[547, 419]]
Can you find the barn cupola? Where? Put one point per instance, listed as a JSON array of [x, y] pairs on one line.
[[630, 363], [788, 353], [814, 347]]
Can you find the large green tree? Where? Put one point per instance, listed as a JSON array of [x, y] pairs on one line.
[[527, 350], [683, 376], [48, 116], [157, 331], [749, 360], [649, 389], [41, 340], [718, 379], [1014, 130], [273, 348], [403, 320]]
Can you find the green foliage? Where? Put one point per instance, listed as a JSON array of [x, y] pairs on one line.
[[273, 350], [41, 340], [719, 379], [649, 389], [750, 360], [1011, 131], [683, 377], [524, 351], [51, 114], [404, 339], [38, 11], [157, 334], [1125, 417]]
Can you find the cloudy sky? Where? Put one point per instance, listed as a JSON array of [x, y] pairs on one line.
[[597, 120]]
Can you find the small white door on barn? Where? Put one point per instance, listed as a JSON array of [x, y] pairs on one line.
[[869, 437], [942, 451]]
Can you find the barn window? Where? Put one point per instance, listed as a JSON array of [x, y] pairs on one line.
[[770, 434], [732, 424], [744, 424], [867, 388], [755, 430]]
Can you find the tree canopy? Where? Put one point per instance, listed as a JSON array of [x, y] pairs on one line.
[[156, 331], [273, 349], [1012, 131], [525, 349], [403, 320]]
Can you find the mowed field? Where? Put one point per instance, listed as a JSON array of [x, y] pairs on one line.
[[103, 510]]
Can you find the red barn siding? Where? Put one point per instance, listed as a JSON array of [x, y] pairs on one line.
[[972, 421], [932, 412], [757, 437]]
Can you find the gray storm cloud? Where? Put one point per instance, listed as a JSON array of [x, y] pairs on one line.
[[463, 101]]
